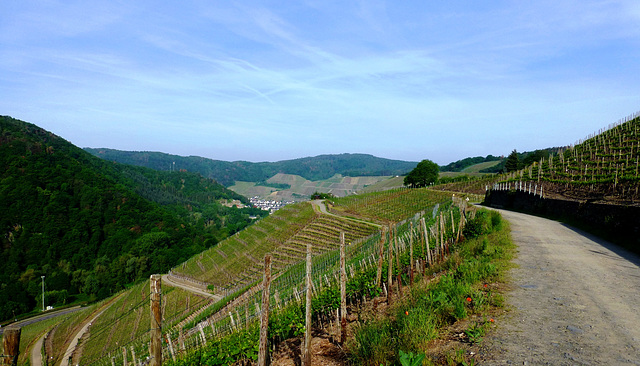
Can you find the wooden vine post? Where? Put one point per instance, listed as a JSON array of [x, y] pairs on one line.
[[441, 237], [343, 292], [411, 253], [264, 314], [426, 240], [398, 268], [11, 344], [390, 269], [155, 345], [381, 257], [306, 356]]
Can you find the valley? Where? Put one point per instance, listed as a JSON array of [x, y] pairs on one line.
[[212, 246]]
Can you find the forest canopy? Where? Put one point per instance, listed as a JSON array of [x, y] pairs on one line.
[[93, 227]]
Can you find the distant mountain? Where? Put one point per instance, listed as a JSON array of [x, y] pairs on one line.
[[311, 168], [91, 227]]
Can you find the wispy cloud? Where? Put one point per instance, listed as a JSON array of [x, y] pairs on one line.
[[238, 80]]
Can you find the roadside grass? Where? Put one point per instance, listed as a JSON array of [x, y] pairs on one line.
[[462, 289], [30, 334]]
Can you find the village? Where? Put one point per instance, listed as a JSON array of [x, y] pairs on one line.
[[268, 205]]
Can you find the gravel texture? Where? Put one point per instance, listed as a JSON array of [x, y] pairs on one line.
[[575, 300]]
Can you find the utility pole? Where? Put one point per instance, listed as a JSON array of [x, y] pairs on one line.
[[42, 292]]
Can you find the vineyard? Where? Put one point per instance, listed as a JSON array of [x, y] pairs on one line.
[[126, 322], [399, 221], [236, 262], [603, 167], [423, 237], [388, 206]]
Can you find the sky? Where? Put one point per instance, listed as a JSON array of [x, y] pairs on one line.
[[277, 80]]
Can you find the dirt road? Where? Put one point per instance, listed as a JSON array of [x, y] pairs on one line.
[[36, 352], [167, 280], [575, 300]]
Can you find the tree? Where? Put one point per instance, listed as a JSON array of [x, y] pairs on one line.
[[512, 162], [424, 174]]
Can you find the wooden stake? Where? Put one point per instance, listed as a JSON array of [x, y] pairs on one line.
[[343, 292], [380, 257], [306, 356], [441, 237], [133, 356], [124, 357], [201, 329], [155, 346], [453, 227], [168, 338], [390, 270], [264, 316], [411, 253], [181, 340], [11, 344], [426, 240], [398, 268]]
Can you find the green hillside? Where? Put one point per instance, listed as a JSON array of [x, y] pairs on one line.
[[602, 167], [92, 227], [311, 168], [463, 164], [477, 168]]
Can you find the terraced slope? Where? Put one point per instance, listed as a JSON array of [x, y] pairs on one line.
[[389, 206], [237, 261], [604, 166]]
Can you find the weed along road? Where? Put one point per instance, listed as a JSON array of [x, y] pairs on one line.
[[574, 301]]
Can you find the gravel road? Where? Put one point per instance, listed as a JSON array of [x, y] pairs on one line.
[[575, 300]]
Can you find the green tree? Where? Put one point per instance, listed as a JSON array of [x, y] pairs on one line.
[[512, 162], [424, 174]]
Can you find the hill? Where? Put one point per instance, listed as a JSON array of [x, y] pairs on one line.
[[289, 187], [227, 173], [461, 165], [524, 159], [92, 227], [602, 167]]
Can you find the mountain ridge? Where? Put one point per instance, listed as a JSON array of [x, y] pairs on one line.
[[226, 173]]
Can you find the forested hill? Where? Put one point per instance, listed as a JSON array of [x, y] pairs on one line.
[[312, 168], [91, 226]]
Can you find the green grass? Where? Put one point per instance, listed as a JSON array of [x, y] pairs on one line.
[[30, 334], [419, 318]]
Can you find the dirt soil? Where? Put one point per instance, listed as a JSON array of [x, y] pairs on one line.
[[574, 300]]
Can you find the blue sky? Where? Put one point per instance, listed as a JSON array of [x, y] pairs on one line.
[[275, 80]]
